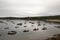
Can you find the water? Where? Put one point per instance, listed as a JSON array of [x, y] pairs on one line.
[[30, 35]]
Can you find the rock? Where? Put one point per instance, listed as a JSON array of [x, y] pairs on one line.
[[43, 24], [53, 38], [31, 22], [58, 34], [26, 31], [19, 24], [39, 24], [57, 26], [13, 22], [0, 35], [54, 35], [16, 27], [32, 25], [44, 28], [1, 22], [25, 26], [47, 39], [25, 23], [12, 32], [35, 29], [6, 28]]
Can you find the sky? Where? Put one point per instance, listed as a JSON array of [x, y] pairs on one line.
[[22, 8]]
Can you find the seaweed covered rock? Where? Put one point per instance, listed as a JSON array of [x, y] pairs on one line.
[[39, 24], [25, 26], [32, 25], [44, 28], [19, 24], [43, 24], [16, 27], [25, 30], [6, 28], [31, 22], [0, 35], [1, 22], [35, 29], [13, 22], [12, 32], [57, 26], [53, 38]]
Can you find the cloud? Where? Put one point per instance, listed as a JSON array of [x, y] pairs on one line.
[[52, 9], [29, 7]]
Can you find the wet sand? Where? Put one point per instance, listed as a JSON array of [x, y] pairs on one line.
[[27, 30]]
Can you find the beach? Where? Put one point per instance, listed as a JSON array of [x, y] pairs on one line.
[[27, 29]]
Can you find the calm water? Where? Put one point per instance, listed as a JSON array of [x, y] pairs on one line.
[[31, 35]]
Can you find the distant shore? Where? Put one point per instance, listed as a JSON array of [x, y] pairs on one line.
[[55, 20], [39, 18]]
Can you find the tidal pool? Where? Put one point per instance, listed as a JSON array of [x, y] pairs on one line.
[[27, 25]]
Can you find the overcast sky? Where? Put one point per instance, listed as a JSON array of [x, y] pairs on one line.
[[29, 7]]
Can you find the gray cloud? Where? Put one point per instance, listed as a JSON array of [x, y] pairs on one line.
[[29, 7], [53, 9]]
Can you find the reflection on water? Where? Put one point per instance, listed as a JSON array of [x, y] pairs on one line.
[[27, 30]]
